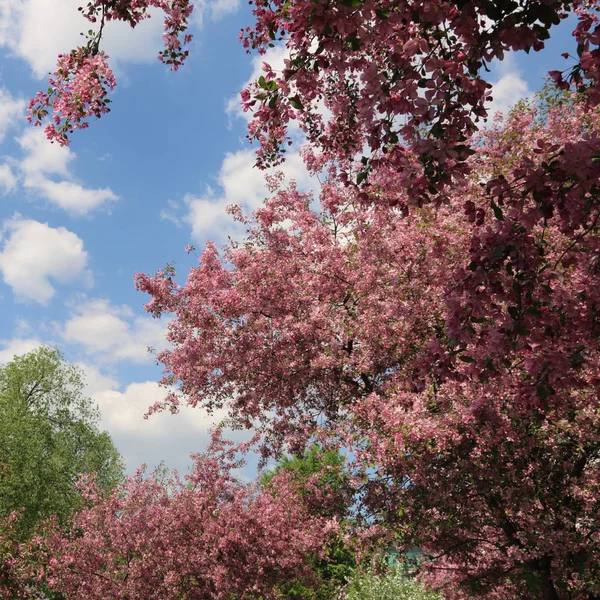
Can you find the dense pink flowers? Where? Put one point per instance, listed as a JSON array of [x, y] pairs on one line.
[[454, 350], [209, 537], [402, 82], [439, 317], [394, 78], [77, 91]]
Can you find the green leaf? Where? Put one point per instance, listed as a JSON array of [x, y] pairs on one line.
[[497, 211], [354, 42], [295, 103], [362, 175]]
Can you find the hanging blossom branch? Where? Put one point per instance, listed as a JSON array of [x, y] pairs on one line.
[[79, 87]]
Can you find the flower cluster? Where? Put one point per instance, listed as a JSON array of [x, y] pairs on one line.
[[208, 537], [397, 77], [79, 87], [78, 90]]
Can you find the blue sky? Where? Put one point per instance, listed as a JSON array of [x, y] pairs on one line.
[[130, 193]]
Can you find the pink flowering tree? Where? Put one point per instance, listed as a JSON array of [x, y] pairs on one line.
[[454, 352], [402, 80], [12, 582], [208, 537], [440, 316]]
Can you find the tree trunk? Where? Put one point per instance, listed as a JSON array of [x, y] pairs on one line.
[[547, 586]]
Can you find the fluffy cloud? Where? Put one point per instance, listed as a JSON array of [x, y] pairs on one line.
[[95, 380], [44, 163], [162, 437], [15, 347], [243, 184], [509, 88], [34, 254], [113, 333], [123, 412], [8, 181], [12, 112]]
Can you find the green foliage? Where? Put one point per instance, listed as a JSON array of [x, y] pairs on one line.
[[394, 585], [326, 465], [326, 470], [48, 437]]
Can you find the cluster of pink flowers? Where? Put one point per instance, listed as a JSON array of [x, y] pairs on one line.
[[398, 76], [208, 537], [79, 87], [177, 13], [78, 90]]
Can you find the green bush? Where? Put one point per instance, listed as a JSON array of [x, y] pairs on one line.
[[394, 585]]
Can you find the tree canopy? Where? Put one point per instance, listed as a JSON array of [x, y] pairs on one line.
[[322, 480], [438, 316], [210, 536], [48, 439], [455, 353]]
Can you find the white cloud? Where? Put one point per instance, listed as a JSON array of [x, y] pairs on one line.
[[41, 156], [221, 8], [70, 196], [170, 213], [16, 347], [241, 184], [12, 112], [124, 411], [35, 253], [95, 381], [112, 333], [44, 162], [161, 437], [508, 89], [8, 181], [38, 30]]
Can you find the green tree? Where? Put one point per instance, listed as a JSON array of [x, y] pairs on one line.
[[324, 485], [49, 436]]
